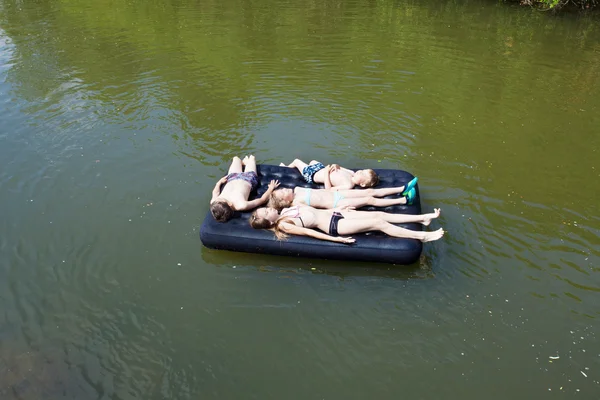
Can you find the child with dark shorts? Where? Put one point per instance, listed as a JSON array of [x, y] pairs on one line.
[[241, 179], [333, 176], [335, 226]]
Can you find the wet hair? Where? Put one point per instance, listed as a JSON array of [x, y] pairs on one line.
[[372, 178], [221, 211], [262, 223], [277, 202]]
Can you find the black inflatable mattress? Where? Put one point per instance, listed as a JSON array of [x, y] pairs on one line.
[[238, 235]]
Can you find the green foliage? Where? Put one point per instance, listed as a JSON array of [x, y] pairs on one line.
[[552, 3], [561, 4]]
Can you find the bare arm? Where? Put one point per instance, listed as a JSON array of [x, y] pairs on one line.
[[297, 230], [327, 182], [333, 168], [262, 199], [217, 190], [256, 202]]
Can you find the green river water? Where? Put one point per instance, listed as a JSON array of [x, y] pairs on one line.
[[117, 118]]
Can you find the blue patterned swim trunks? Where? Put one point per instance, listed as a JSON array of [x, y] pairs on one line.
[[310, 170]]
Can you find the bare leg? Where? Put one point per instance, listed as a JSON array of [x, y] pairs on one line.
[[349, 226], [236, 165], [358, 202], [250, 163], [424, 219], [381, 192], [297, 163], [374, 201]]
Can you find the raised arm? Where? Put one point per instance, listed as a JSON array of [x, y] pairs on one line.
[[292, 229], [327, 182], [262, 199], [217, 190]]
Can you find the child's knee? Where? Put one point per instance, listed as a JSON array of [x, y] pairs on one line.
[[313, 162], [380, 224]]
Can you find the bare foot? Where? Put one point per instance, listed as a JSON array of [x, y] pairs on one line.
[[282, 165], [431, 236], [428, 217], [244, 160]]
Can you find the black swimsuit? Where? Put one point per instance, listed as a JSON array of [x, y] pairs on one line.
[[333, 224]]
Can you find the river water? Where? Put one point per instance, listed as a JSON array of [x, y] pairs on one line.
[[118, 117]]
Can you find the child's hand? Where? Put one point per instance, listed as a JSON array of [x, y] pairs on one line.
[[274, 183], [335, 167], [223, 180], [346, 240]]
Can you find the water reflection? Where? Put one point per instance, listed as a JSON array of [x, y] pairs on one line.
[[119, 117], [290, 267]]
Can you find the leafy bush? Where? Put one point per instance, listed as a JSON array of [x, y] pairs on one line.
[[559, 4]]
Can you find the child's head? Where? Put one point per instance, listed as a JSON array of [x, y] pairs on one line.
[[264, 218], [365, 178], [281, 198], [268, 218], [221, 210]]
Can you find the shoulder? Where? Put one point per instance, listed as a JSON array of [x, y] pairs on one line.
[[239, 205], [287, 225]]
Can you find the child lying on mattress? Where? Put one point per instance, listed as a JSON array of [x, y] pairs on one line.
[[302, 220], [238, 185], [354, 198], [333, 176]]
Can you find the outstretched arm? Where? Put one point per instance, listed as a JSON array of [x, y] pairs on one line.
[[297, 230], [217, 190], [262, 199]]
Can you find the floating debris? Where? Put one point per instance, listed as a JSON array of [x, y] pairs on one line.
[[554, 358], [583, 373]]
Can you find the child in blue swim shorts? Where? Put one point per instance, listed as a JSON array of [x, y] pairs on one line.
[[333, 176]]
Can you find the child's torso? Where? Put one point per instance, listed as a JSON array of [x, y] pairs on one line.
[[236, 192], [337, 178], [308, 217], [317, 198]]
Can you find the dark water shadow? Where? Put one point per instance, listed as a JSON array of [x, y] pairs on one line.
[[342, 269]]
